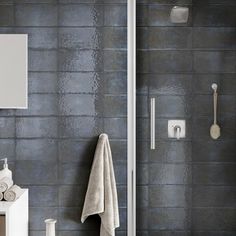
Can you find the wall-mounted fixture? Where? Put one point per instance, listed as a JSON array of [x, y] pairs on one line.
[[215, 128], [179, 14], [13, 71], [152, 123], [176, 129]]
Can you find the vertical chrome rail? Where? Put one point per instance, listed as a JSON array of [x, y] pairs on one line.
[[131, 81], [152, 123]]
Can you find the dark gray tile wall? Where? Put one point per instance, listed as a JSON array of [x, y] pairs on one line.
[[186, 187], [77, 89]]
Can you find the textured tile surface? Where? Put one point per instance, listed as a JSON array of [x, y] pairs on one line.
[[80, 15], [77, 90], [36, 15], [191, 182]]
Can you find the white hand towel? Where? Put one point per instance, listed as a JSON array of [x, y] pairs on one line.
[[13, 193], [1, 197], [5, 184], [101, 195]]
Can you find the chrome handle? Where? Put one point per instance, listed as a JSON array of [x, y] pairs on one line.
[[214, 87], [152, 123], [177, 130]]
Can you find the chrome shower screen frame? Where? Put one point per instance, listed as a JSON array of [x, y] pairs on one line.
[[131, 127]]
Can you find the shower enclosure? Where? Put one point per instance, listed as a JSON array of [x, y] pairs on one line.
[[181, 181]]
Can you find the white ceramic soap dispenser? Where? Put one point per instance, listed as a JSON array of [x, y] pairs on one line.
[[5, 172]]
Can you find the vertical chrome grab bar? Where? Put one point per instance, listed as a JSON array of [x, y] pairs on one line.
[[152, 123]]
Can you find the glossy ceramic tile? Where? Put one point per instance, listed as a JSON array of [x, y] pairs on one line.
[[36, 149], [214, 196], [116, 127], [42, 61], [170, 61], [214, 37], [169, 196], [40, 38], [81, 38], [42, 82], [142, 174], [6, 15], [80, 127], [211, 151], [214, 174], [170, 84], [142, 196], [171, 152], [168, 219], [80, 105], [120, 173], [142, 15], [172, 106], [43, 196], [115, 15], [119, 150], [73, 174], [76, 151], [36, 15], [115, 37], [214, 15], [169, 174], [115, 60], [37, 172], [80, 15], [7, 147], [72, 196], [115, 106], [214, 61], [170, 37], [40, 105], [115, 82], [36, 127], [80, 82], [80, 60], [7, 129], [214, 219]]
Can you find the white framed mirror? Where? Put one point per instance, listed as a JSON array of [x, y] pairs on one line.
[[13, 71]]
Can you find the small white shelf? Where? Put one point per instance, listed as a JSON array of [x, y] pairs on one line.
[[16, 215]]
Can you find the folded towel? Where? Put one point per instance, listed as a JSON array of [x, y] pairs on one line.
[[5, 184], [1, 197], [13, 193], [101, 195]]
